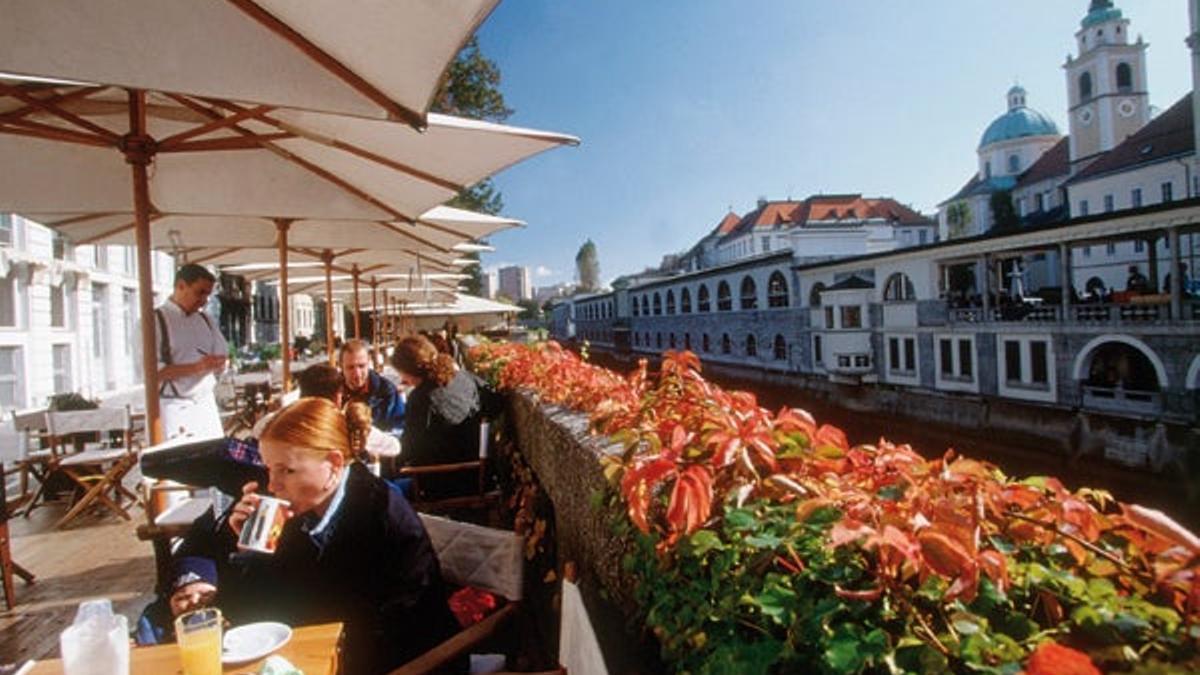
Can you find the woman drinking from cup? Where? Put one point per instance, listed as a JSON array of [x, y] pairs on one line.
[[353, 550]]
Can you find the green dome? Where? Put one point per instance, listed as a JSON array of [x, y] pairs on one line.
[[1100, 12], [1020, 121]]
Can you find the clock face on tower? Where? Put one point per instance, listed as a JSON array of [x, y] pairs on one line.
[[1085, 116], [1126, 108]]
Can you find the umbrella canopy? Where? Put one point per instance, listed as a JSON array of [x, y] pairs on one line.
[[438, 231], [221, 158], [356, 57], [203, 156]]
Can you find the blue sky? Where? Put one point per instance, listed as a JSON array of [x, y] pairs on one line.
[[686, 108]]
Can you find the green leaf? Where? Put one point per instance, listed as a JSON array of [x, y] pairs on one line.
[[704, 541], [842, 651], [740, 520], [764, 540]]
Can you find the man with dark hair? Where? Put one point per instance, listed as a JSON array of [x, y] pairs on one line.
[[323, 381], [365, 385], [191, 353]]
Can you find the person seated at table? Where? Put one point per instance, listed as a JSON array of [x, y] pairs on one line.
[[441, 420], [364, 385], [353, 551], [1137, 282], [1184, 282]]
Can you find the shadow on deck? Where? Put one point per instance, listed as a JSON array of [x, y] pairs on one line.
[[100, 556]]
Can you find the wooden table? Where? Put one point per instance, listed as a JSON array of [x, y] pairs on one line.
[[312, 649]]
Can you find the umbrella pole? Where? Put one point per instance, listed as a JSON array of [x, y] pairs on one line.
[[327, 258], [385, 324], [374, 316], [354, 274], [139, 152], [285, 321]]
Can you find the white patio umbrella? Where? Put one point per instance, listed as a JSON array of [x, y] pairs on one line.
[[215, 157], [373, 58]]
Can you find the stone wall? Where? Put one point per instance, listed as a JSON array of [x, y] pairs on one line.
[[565, 456]]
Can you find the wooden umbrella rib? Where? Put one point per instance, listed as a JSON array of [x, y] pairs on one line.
[[53, 109], [329, 63], [59, 99], [168, 142], [47, 132], [116, 230], [251, 142], [400, 231], [82, 218]]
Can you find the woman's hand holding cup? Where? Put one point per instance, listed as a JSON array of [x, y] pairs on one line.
[[244, 509]]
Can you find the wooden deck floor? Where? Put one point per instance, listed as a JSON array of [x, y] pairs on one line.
[[98, 556]]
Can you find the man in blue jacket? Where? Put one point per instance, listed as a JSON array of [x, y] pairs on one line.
[[365, 385]]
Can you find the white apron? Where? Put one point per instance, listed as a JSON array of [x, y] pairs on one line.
[[197, 417]]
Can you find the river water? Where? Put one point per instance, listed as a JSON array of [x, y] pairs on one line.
[[1015, 457]]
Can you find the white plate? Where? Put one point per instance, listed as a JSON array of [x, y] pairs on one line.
[[254, 641]]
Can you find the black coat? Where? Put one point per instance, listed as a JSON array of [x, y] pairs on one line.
[[377, 573], [441, 426]]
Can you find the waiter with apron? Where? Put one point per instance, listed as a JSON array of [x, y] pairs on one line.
[[191, 353]]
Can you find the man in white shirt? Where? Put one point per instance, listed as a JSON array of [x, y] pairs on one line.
[[191, 353]]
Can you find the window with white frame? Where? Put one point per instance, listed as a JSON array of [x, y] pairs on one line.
[[8, 301], [1083, 207], [99, 320], [899, 288], [60, 248], [956, 359], [1109, 203], [1168, 192], [58, 306], [7, 229], [818, 356], [1026, 362], [62, 368], [829, 325], [1135, 198], [902, 355], [10, 378]]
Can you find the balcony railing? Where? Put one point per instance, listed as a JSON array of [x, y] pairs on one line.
[[1088, 314], [1119, 399]]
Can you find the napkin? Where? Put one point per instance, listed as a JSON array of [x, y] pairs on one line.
[[277, 665]]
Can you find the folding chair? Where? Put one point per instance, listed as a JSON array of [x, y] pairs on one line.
[[480, 498], [472, 555], [98, 469], [9, 441], [30, 424]]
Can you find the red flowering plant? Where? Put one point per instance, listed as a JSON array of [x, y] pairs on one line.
[[765, 542]]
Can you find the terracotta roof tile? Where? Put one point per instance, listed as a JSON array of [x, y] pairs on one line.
[[823, 208], [1054, 162]]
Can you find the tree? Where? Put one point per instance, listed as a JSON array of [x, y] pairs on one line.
[[1004, 216], [958, 217], [471, 89], [587, 267], [530, 310]]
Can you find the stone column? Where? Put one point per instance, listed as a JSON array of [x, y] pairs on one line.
[[1064, 273], [1176, 289], [985, 263]]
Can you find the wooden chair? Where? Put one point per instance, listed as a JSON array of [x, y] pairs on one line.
[[8, 566], [472, 555], [480, 498], [100, 468], [35, 460]]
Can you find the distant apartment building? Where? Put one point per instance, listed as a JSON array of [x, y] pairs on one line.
[[488, 284], [515, 282], [559, 290]]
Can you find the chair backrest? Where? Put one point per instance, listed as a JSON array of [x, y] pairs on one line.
[[29, 419], [12, 446], [65, 423], [473, 555]]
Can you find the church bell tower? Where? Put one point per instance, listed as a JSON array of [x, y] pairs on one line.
[[1107, 91]]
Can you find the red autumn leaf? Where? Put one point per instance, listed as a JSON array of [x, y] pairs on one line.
[[829, 436], [1051, 658], [847, 530], [691, 500], [795, 419], [944, 553], [1161, 525], [995, 567], [638, 485]]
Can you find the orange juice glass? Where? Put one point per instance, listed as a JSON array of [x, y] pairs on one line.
[[199, 636]]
